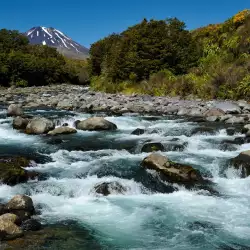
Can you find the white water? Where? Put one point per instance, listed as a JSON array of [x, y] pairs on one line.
[[141, 218]]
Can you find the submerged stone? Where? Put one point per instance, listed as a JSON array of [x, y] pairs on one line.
[[31, 225], [138, 131], [214, 112], [107, 188], [152, 146]]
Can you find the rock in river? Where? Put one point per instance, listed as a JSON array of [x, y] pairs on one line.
[[31, 225], [8, 229], [39, 125], [138, 131], [20, 122], [214, 112], [62, 130], [20, 202], [12, 170], [96, 123], [242, 161], [22, 206], [171, 171], [107, 188], [152, 146], [14, 110]]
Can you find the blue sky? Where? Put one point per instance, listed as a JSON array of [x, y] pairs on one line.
[[88, 21]]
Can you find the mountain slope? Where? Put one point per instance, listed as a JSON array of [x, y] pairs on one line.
[[55, 38]]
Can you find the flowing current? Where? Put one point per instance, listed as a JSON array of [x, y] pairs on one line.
[[147, 216]]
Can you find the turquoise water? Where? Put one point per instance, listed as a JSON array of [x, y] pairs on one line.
[[147, 216]]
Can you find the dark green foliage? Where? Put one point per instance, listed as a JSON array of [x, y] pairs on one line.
[[24, 65], [144, 49]]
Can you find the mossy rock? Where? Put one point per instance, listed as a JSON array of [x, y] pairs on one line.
[[152, 147], [12, 170], [61, 236]]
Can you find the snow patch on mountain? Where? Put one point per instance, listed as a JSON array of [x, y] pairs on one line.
[[55, 38]]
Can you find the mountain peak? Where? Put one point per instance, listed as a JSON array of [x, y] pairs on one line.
[[55, 38]]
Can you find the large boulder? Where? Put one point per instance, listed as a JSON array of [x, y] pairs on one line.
[[235, 119], [22, 206], [107, 188], [15, 110], [10, 217], [20, 123], [214, 112], [12, 170], [62, 130], [20, 202], [96, 123], [152, 146], [9, 230], [242, 162], [228, 107], [39, 125], [171, 171]]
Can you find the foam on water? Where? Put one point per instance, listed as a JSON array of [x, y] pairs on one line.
[[9, 135], [141, 219]]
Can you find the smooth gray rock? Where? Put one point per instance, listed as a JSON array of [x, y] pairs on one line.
[[62, 130], [228, 107], [214, 112], [15, 110], [235, 120], [225, 117], [183, 111], [39, 125], [213, 118], [96, 123], [196, 112]]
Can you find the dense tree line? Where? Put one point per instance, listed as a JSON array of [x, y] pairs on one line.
[[22, 64], [163, 58], [144, 49]]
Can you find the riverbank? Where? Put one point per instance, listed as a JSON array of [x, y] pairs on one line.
[[82, 99]]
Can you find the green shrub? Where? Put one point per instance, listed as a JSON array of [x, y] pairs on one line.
[[21, 83]]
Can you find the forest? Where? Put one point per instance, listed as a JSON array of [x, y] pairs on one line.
[[161, 57]]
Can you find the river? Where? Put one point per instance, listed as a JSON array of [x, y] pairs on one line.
[[148, 215]]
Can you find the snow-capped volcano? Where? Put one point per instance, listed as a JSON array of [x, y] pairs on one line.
[[55, 38]]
